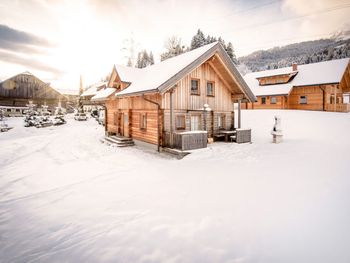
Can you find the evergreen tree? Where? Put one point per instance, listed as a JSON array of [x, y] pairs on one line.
[[231, 53], [151, 58], [138, 61], [144, 59], [198, 40], [129, 64]]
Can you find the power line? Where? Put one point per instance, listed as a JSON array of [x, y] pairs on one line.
[[335, 8], [246, 10]]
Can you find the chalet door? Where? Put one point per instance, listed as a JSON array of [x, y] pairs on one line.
[[195, 123], [121, 124], [126, 125]]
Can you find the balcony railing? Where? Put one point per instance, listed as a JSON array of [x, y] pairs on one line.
[[184, 141]]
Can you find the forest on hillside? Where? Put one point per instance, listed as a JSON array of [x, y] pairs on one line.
[[301, 53]]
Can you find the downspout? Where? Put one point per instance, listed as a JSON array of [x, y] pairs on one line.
[[158, 123]]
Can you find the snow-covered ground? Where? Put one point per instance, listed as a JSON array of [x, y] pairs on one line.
[[65, 197]]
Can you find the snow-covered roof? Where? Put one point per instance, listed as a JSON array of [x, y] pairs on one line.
[[103, 94], [326, 72], [93, 89], [128, 74], [150, 78], [159, 77]]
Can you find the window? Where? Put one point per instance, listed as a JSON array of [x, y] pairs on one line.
[[263, 100], [273, 100], [143, 121], [8, 110], [18, 110], [210, 88], [195, 122], [221, 121], [194, 86], [303, 100], [180, 122]]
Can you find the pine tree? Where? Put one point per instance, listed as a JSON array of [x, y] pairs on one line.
[[151, 58], [198, 40], [129, 64], [139, 60], [145, 59], [231, 53]]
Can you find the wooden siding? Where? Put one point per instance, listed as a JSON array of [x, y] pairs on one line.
[[281, 103], [183, 100], [132, 107], [314, 96], [274, 79], [345, 81]]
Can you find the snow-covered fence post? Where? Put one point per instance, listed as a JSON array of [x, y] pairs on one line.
[[277, 131]]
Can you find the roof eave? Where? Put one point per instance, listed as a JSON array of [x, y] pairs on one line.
[[137, 93], [246, 90]]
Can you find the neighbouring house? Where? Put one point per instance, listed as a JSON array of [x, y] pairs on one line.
[[17, 91], [323, 86], [190, 94], [89, 93], [72, 96]]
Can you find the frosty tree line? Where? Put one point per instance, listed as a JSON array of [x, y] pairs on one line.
[[174, 47], [277, 57]]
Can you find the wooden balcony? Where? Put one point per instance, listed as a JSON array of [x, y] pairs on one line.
[[340, 107], [184, 141]]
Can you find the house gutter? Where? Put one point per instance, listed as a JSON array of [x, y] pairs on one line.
[[158, 122]]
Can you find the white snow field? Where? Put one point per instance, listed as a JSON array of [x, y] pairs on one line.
[[66, 197]]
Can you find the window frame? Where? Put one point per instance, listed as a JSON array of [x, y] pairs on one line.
[[183, 126], [143, 121], [222, 121], [301, 100], [263, 100], [273, 100], [198, 87], [199, 122], [213, 88]]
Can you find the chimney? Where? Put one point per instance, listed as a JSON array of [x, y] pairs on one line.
[[294, 66]]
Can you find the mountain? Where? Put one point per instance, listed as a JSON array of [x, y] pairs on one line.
[[335, 47]]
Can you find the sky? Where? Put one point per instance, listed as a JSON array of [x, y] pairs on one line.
[[59, 40]]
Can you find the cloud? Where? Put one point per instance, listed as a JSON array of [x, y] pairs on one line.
[[28, 62], [20, 41]]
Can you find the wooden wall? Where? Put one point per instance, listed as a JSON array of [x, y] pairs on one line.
[[274, 79], [211, 120], [133, 107], [314, 98], [281, 103], [183, 100]]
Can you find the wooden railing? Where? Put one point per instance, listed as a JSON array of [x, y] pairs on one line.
[[185, 140], [338, 107]]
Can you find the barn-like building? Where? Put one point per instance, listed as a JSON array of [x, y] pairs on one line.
[[17, 91]]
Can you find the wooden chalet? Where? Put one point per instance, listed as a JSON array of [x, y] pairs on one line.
[[191, 95], [323, 86]]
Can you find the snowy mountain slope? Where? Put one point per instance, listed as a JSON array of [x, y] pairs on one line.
[[307, 52]]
